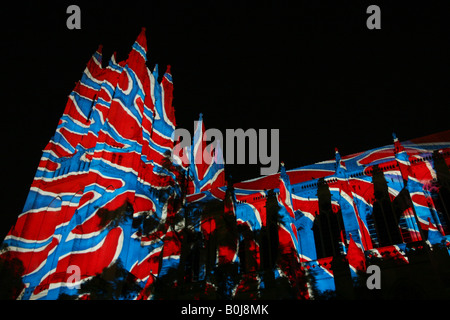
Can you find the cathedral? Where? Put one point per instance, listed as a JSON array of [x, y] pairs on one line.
[[116, 212]]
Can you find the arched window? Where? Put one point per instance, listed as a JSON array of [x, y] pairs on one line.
[[384, 217], [328, 225]]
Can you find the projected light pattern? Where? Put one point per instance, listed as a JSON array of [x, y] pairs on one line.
[[110, 192]]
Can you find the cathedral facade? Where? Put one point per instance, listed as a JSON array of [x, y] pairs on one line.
[[116, 212]]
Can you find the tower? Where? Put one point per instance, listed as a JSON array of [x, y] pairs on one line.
[[106, 193]]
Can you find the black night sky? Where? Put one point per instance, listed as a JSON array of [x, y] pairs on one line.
[[309, 68]]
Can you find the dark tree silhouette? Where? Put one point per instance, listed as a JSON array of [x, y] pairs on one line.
[[112, 218], [11, 284], [114, 283]]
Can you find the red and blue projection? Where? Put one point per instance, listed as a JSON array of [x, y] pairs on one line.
[[113, 214]]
